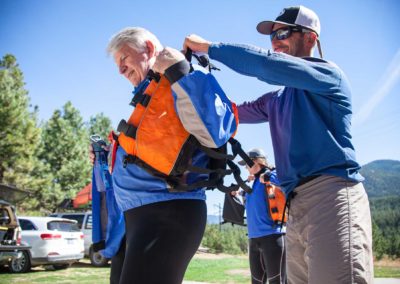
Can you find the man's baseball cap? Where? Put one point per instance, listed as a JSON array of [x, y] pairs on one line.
[[253, 154], [293, 16]]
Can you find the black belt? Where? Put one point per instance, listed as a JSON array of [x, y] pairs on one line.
[[306, 179]]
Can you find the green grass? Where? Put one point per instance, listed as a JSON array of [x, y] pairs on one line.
[[229, 269], [224, 270], [81, 272], [387, 272]]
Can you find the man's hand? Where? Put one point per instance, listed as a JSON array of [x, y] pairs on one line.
[[196, 44], [166, 58]]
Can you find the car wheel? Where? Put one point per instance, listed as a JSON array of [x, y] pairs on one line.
[[61, 266], [96, 259], [20, 265]]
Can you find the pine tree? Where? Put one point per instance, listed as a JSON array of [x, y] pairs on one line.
[[100, 125], [20, 135], [65, 144]]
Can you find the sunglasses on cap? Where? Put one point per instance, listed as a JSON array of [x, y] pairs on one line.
[[286, 32]]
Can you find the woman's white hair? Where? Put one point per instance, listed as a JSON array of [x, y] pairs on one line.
[[134, 37]]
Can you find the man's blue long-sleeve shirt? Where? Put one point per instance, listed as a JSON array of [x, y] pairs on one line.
[[310, 118]]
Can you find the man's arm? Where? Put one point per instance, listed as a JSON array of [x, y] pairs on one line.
[[278, 68], [271, 67], [255, 111]]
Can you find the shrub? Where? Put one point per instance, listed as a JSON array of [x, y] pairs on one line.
[[225, 239]]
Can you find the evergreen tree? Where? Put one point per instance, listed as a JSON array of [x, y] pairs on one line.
[[20, 135], [379, 242], [100, 125], [65, 144]]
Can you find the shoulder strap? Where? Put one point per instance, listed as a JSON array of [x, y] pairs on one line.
[[203, 60]]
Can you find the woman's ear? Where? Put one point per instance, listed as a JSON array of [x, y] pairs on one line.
[[151, 49]]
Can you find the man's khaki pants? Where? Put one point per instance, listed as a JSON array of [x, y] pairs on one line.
[[329, 235]]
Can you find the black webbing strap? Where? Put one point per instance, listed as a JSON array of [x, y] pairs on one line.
[[140, 98], [154, 76], [182, 187], [203, 60], [216, 155], [289, 198], [188, 55], [199, 170], [238, 178], [238, 150], [126, 128], [114, 136], [228, 189]]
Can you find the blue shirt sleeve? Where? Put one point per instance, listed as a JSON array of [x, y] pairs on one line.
[[275, 68], [255, 111]]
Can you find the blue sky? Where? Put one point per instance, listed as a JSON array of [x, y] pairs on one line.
[[60, 46]]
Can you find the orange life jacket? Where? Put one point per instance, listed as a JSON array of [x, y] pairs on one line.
[[158, 136], [155, 139], [276, 200]]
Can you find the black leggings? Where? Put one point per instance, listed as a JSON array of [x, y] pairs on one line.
[[267, 259], [161, 239], [117, 262]]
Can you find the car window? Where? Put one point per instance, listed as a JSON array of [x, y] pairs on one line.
[[27, 225], [89, 223], [4, 216], [62, 226], [78, 218]]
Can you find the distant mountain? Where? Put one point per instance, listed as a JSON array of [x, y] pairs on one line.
[[382, 178]]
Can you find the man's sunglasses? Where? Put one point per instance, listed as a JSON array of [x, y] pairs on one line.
[[286, 32]]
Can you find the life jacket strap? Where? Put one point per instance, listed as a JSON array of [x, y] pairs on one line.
[[126, 128], [216, 155], [203, 60], [238, 150], [154, 76], [178, 186], [200, 170], [228, 189], [238, 178], [140, 98]]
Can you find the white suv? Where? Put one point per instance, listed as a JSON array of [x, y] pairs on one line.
[[54, 241], [84, 220]]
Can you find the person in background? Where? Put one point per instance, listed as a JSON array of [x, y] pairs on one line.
[[329, 231], [266, 237], [164, 227]]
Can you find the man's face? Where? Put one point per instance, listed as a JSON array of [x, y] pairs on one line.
[[132, 64], [293, 45]]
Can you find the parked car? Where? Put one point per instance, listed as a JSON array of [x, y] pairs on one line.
[[11, 248], [54, 241], [84, 220]]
